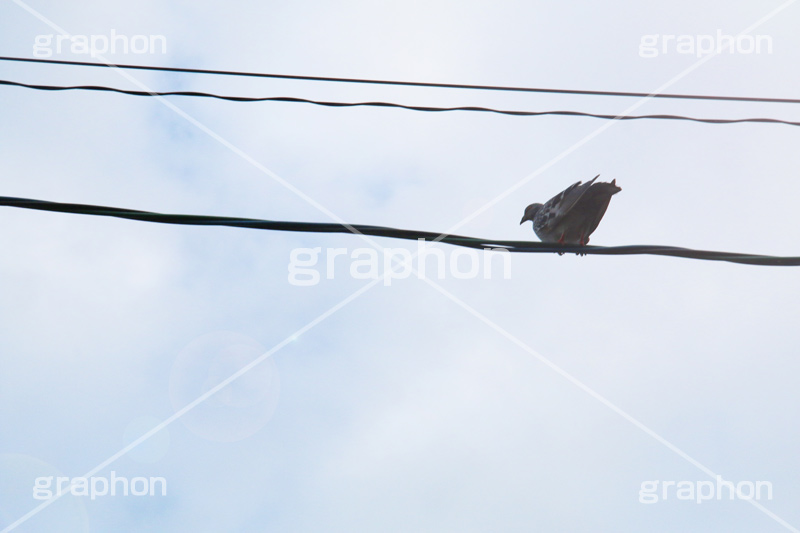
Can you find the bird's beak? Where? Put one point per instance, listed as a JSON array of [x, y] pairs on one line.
[[524, 218]]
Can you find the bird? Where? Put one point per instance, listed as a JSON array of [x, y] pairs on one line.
[[572, 215]]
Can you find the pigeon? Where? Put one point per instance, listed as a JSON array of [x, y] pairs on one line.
[[573, 214]]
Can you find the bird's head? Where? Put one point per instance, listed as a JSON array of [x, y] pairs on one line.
[[530, 212]]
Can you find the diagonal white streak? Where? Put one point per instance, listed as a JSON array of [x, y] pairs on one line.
[[597, 396], [614, 121], [356, 294], [197, 401], [211, 133]]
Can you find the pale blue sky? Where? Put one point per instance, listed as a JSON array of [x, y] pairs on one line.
[[409, 409]]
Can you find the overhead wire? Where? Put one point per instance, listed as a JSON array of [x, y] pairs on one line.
[[406, 83], [383, 231], [292, 99]]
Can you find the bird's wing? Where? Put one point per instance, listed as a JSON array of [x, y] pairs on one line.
[[594, 204], [560, 204]]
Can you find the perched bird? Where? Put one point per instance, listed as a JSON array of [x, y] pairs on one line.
[[573, 214]]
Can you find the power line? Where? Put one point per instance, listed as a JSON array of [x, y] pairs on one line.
[[382, 231], [407, 83], [391, 105]]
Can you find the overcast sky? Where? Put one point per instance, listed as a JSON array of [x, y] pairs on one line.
[[537, 401]]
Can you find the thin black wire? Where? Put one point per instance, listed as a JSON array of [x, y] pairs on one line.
[[408, 83], [382, 231], [390, 105]]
